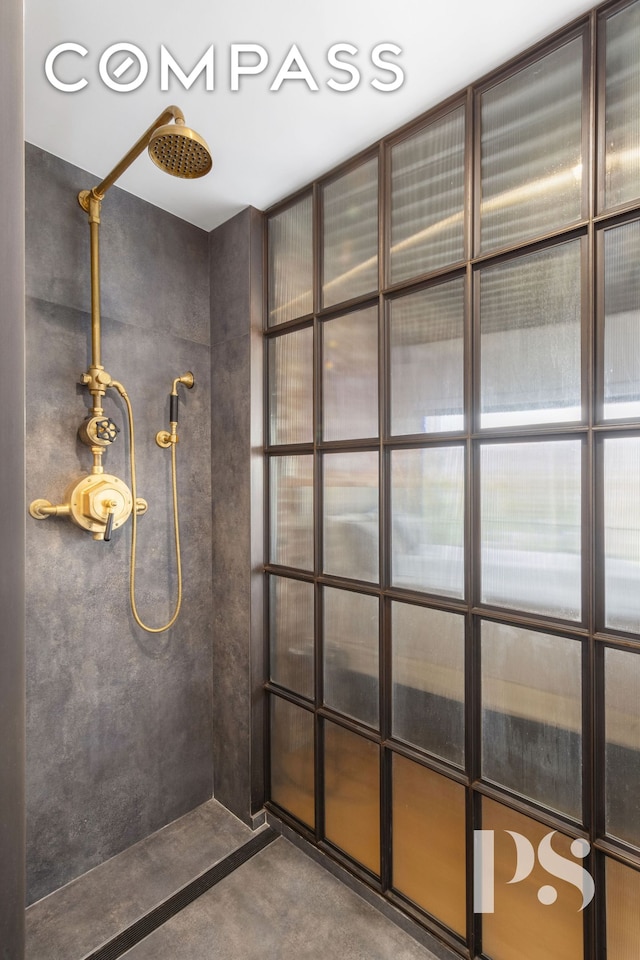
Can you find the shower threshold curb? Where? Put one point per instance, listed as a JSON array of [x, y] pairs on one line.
[[119, 944]]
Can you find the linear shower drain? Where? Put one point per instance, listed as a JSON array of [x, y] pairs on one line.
[[128, 938]]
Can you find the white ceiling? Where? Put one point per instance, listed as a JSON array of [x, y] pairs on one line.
[[265, 143]]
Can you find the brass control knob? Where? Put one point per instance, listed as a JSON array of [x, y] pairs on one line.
[[98, 431], [99, 502]]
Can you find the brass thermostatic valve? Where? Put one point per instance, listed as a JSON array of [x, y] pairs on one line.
[[99, 503]]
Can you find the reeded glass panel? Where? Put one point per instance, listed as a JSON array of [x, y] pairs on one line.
[[428, 679], [530, 527], [622, 533], [352, 794], [622, 112], [622, 735], [623, 916], [351, 515], [292, 766], [427, 519], [532, 149], [291, 634], [291, 539], [291, 387], [537, 917], [350, 205], [622, 321], [351, 641], [350, 375], [427, 198], [429, 841], [530, 338], [427, 360], [291, 263], [532, 715]]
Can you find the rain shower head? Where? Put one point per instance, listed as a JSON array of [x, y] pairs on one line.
[[180, 151], [173, 147]]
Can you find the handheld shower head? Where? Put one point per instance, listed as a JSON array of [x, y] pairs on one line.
[[180, 151]]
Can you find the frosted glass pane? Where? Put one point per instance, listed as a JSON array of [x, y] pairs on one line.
[[291, 634], [622, 321], [623, 916], [530, 533], [622, 533], [522, 926], [351, 515], [427, 519], [350, 375], [429, 841], [292, 766], [622, 735], [427, 360], [291, 540], [532, 149], [622, 113], [351, 642], [427, 198], [352, 794], [530, 339], [350, 205], [532, 715], [291, 387], [290, 248], [428, 679]]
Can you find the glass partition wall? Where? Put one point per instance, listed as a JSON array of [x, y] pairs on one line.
[[453, 555]]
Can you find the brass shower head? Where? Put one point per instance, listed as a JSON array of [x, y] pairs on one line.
[[180, 151]]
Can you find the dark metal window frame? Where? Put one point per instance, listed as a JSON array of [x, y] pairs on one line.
[[591, 432]]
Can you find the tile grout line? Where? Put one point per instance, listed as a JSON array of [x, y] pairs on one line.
[[118, 945]]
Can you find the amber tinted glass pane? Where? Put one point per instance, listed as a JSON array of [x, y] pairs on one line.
[[291, 263], [532, 716], [622, 114], [291, 633], [427, 360], [352, 795], [622, 533], [428, 679], [532, 149], [622, 733], [350, 375], [530, 526], [350, 205], [292, 511], [623, 915], [530, 338], [351, 654], [622, 321], [427, 198], [292, 768], [291, 387], [351, 515], [522, 926], [429, 841], [427, 523]]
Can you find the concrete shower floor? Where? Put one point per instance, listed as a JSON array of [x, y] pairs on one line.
[[279, 905]]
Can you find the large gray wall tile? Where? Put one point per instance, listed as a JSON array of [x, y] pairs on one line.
[[235, 272], [119, 721]]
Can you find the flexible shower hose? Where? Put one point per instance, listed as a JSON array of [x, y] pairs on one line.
[[134, 521]]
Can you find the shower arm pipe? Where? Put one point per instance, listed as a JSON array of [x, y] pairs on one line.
[[96, 378]]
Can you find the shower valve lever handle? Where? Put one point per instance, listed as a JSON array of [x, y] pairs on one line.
[[109, 526]]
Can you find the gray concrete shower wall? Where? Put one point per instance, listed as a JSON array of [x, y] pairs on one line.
[[119, 734], [237, 471], [12, 486]]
